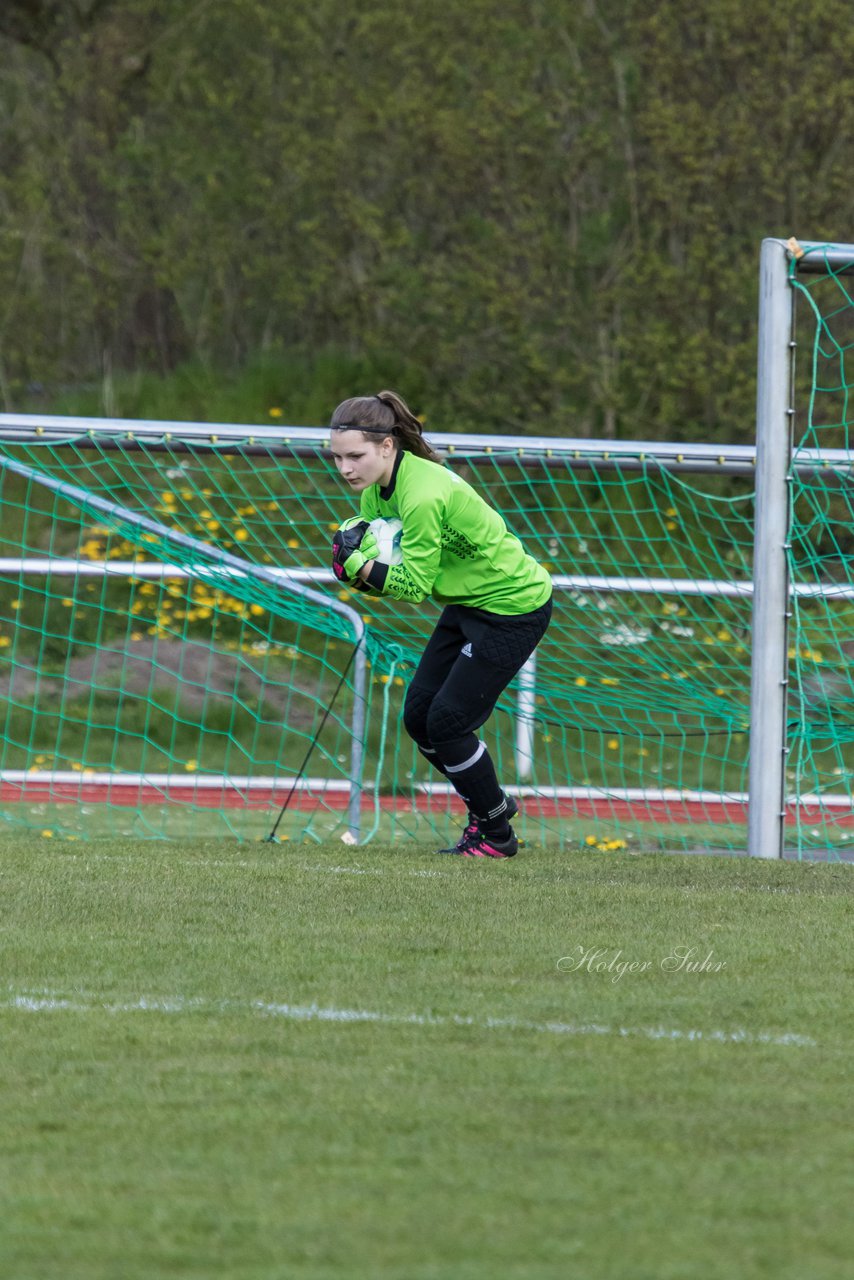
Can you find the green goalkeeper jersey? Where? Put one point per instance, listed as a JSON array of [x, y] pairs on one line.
[[456, 548]]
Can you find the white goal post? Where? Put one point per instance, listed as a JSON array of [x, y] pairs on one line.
[[775, 412]]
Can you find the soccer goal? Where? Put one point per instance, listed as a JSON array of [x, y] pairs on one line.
[[802, 700], [175, 656]]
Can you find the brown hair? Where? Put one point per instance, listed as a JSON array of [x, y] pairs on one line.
[[385, 414]]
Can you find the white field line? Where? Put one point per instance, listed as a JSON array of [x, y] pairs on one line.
[[260, 863], [50, 1002], [245, 864]]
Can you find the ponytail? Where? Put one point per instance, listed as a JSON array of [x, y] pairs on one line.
[[385, 414]]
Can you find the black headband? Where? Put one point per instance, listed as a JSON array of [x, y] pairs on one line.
[[350, 426]]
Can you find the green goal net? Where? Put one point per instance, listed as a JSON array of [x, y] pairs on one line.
[[821, 553], [171, 641]]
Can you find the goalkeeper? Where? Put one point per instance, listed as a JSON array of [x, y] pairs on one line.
[[457, 549]]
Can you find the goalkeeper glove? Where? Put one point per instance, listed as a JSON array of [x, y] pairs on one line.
[[352, 546]]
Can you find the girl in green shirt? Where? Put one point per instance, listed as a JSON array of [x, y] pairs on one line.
[[457, 549]]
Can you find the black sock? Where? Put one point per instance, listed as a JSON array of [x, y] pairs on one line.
[[429, 754], [475, 782], [498, 827]]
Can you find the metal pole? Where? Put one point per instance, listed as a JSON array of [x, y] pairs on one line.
[[357, 741], [769, 666], [525, 711]]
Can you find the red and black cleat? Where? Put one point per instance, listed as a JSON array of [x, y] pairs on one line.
[[473, 836], [479, 845]]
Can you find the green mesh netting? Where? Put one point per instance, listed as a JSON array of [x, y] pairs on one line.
[[821, 651], [186, 702]]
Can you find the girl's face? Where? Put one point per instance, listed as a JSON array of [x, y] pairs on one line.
[[362, 461]]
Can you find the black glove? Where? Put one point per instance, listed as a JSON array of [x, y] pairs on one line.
[[351, 548]]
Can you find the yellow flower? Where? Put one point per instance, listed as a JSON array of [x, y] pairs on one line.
[[613, 744], [191, 765], [241, 535], [581, 681], [591, 840], [275, 412]]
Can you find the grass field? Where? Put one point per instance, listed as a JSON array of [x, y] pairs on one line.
[[310, 1062]]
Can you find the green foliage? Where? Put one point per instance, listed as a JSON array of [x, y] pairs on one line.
[[548, 213], [287, 387]]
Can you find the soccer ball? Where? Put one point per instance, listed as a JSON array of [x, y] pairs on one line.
[[388, 531]]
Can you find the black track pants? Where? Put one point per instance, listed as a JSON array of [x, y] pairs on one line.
[[468, 662]]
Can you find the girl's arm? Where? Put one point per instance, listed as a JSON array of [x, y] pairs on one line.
[[421, 545]]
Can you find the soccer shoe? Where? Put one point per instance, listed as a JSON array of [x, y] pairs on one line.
[[470, 831], [512, 808], [481, 846], [472, 827]]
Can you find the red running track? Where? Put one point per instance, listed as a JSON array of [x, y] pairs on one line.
[[658, 808]]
